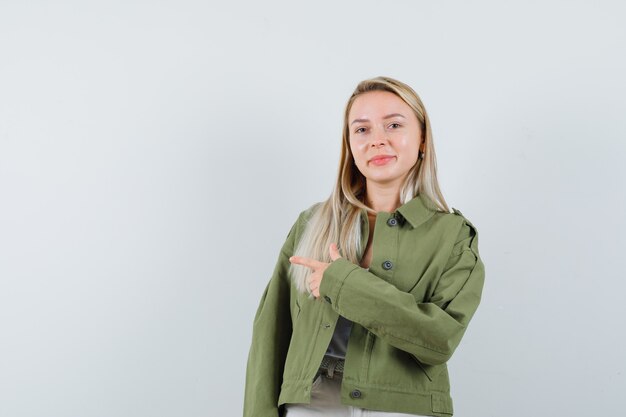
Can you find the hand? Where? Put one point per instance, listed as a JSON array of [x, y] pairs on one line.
[[315, 279]]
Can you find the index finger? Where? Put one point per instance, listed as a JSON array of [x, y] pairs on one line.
[[308, 262]]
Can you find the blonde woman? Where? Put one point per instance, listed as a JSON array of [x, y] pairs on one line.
[[373, 288]]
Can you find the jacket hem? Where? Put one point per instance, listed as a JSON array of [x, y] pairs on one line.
[[438, 404]]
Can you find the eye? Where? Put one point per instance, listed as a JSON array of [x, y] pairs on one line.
[[360, 130], [394, 125]]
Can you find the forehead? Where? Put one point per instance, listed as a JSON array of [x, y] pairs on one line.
[[378, 104]]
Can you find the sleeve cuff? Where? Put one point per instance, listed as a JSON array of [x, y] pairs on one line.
[[333, 279]]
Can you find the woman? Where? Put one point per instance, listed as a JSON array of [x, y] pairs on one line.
[[374, 287]]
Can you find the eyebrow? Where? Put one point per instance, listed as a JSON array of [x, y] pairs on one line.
[[389, 116]]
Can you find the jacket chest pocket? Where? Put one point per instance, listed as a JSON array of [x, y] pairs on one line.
[[415, 274]]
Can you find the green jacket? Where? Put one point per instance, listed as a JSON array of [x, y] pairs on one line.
[[409, 312]]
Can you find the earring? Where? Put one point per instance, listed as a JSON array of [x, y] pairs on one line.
[[421, 155]]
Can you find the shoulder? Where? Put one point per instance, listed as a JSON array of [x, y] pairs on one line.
[[308, 212], [453, 221], [303, 218], [467, 233], [454, 230], [464, 224]]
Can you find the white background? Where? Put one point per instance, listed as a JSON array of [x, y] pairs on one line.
[[154, 154]]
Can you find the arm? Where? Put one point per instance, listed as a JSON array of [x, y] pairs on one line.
[[271, 334], [429, 331]]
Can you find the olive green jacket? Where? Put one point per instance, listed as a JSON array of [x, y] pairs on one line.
[[409, 312]]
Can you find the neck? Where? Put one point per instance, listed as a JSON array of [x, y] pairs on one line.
[[382, 198]]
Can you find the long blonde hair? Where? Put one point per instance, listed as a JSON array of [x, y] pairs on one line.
[[338, 219]]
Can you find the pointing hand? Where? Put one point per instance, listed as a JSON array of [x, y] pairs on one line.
[[317, 268]]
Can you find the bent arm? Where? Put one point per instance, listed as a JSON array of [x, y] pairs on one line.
[[430, 331]]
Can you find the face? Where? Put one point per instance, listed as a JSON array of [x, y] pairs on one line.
[[385, 137]]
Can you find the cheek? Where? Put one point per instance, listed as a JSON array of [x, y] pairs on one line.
[[358, 151], [413, 160], [361, 146], [408, 145]]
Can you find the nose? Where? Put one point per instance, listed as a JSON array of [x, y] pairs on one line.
[[379, 138]]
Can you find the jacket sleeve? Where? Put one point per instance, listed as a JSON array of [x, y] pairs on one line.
[[429, 331], [271, 334]]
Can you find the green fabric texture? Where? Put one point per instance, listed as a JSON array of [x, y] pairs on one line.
[[410, 311]]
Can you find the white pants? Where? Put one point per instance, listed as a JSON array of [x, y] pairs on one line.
[[326, 401]]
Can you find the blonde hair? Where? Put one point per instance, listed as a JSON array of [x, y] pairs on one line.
[[338, 219]]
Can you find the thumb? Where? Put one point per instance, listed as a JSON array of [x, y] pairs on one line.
[[334, 252]]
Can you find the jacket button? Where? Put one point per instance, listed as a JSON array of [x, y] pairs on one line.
[[355, 394], [327, 298], [387, 265], [392, 221]]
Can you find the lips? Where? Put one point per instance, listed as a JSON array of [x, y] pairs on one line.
[[381, 159]]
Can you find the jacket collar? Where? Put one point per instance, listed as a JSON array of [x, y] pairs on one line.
[[416, 211]]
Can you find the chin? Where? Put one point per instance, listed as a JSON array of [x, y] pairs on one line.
[[382, 178]]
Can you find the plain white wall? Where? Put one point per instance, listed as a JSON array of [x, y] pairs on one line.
[[153, 156]]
